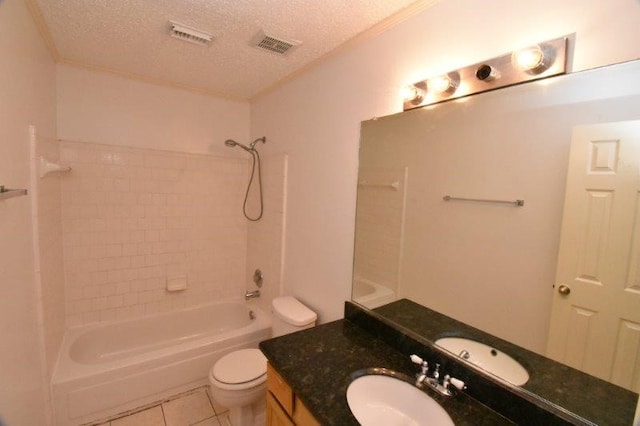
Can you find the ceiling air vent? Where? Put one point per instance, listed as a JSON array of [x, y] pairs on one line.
[[273, 44], [192, 35]]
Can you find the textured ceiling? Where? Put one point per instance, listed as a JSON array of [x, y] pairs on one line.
[[132, 37]]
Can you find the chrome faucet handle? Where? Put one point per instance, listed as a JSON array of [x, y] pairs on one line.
[[457, 383], [416, 359], [424, 369], [422, 363], [436, 373], [446, 381], [452, 381]]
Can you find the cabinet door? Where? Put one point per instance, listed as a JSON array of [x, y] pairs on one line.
[[275, 414], [302, 416], [280, 389]]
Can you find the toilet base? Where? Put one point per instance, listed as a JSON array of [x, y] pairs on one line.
[[249, 415], [246, 407]]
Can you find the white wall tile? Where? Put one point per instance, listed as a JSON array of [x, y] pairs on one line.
[[134, 217]]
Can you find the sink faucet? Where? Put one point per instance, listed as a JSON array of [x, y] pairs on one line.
[[436, 374], [445, 388], [251, 294]]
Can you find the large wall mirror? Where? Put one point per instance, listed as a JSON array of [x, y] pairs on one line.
[[496, 265]]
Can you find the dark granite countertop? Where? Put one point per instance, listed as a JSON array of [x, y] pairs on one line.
[[595, 400], [317, 364]]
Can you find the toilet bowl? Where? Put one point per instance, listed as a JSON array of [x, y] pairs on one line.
[[238, 380]]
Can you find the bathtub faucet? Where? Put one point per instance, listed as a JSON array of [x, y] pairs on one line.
[[251, 294]]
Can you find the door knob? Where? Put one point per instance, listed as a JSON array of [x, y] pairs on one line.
[[564, 290]]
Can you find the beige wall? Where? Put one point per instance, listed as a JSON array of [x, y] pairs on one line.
[[27, 96], [103, 108], [265, 242], [316, 117]]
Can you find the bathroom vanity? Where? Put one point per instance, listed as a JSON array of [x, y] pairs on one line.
[[467, 209], [317, 365], [284, 408], [320, 368]]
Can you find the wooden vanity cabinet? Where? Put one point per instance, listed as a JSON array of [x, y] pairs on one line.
[[283, 407]]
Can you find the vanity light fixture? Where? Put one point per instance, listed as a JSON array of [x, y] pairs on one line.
[[539, 61], [443, 84], [533, 59], [487, 73], [414, 93]]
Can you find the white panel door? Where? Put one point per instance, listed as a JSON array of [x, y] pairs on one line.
[[595, 318]]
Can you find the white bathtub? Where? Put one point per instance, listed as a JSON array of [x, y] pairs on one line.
[[371, 294], [106, 369]]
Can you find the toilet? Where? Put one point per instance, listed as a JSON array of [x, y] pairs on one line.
[[238, 380]]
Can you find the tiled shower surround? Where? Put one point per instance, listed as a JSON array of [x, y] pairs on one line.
[[135, 218]]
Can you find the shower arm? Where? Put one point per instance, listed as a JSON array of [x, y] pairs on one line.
[[253, 144]]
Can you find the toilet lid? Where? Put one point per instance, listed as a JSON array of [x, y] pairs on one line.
[[240, 366]]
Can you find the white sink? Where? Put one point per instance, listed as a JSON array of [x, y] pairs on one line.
[[486, 358], [378, 400]]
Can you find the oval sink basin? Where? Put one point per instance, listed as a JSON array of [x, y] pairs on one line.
[[486, 358], [378, 400]]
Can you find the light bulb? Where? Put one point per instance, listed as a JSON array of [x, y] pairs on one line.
[[413, 93], [531, 59], [441, 84]]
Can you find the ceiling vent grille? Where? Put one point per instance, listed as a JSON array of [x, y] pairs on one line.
[[273, 44], [192, 35]]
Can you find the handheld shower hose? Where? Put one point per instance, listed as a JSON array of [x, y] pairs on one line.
[[255, 160]]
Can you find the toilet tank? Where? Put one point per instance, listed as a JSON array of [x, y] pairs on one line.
[[290, 315]]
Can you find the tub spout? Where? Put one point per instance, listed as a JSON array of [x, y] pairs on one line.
[[251, 294]]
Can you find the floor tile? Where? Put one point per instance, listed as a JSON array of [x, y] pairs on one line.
[[151, 417], [224, 420], [212, 421], [219, 409], [187, 410]]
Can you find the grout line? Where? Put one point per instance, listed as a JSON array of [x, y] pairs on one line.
[[202, 420], [164, 419], [210, 397], [148, 406], [206, 392]]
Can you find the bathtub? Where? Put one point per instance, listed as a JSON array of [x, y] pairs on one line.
[[106, 369], [371, 294]]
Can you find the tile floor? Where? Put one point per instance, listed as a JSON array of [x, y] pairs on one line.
[[192, 408]]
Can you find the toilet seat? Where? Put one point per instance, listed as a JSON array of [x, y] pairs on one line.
[[242, 369]]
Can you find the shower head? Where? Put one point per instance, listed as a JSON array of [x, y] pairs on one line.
[[232, 143]]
